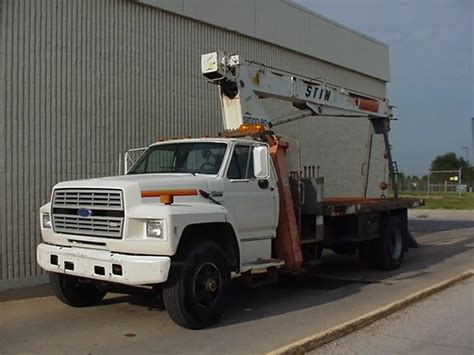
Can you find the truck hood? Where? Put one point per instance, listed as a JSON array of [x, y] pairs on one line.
[[146, 181], [134, 185]]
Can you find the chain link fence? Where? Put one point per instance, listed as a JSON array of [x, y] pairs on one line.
[[432, 182]]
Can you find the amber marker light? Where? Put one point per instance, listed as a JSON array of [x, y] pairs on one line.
[[167, 199], [251, 128], [368, 105]]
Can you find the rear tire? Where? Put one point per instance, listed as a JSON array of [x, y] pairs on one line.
[[197, 285], [71, 291], [387, 251]]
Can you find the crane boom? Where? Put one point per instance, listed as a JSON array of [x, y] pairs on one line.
[[244, 83]]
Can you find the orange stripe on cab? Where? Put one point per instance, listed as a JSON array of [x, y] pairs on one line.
[[180, 192]]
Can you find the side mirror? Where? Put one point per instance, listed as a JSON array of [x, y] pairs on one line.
[[261, 167]]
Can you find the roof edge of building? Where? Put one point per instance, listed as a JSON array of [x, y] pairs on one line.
[[313, 35], [336, 23]]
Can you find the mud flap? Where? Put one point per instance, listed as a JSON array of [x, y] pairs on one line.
[[412, 243]]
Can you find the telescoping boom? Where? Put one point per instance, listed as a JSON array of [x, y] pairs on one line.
[[243, 84]]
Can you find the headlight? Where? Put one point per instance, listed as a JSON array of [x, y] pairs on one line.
[[46, 219], [154, 229]]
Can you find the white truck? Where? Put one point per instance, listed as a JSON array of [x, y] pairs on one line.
[[191, 213]]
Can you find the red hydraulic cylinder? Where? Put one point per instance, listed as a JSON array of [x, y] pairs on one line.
[[288, 247]]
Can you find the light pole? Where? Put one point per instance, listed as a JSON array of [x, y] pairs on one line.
[[466, 150], [460, 183], [472, 137], [428, 184]]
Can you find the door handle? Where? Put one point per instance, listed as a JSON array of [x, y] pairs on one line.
[[302, 193]]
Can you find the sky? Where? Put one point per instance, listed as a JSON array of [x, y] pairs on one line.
[[431, 70]]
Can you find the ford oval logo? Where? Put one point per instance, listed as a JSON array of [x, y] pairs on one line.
[[84, 212]]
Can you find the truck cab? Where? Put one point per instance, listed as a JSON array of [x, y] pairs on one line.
[[179, 194]]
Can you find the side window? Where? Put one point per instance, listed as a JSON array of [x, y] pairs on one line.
[[206, 160], [241, 164]]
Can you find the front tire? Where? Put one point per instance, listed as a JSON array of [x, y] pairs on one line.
[[195, 292], [73, 292]]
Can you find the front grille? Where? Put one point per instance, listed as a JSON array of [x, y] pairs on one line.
[[106, 212], [88, 198], [108, 227]]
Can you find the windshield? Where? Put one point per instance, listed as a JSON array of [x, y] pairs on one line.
[[201, 158]]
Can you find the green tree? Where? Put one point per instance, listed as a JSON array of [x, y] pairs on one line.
[[450, 161]]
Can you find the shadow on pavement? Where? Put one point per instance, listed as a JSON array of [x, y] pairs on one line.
[[25, 293], [427, 226], [337, 278]]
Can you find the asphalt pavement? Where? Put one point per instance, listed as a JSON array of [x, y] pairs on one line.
[[442, 324], [257, 320]]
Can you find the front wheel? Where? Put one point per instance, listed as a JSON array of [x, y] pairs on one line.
[[73, 291], [197, 285]]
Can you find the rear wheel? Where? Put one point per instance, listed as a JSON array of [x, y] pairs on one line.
[[73, 291], [196, 289], [387, 251]]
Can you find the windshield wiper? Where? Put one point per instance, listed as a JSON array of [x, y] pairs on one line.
[[207, 195]]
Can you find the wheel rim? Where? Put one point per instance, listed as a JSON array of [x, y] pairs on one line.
[[207, 285], [395, 245]]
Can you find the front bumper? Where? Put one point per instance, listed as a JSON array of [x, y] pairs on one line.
[[101, 264]]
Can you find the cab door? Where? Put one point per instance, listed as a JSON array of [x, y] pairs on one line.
[[252, 204]]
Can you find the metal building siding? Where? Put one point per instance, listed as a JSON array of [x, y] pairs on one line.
[[81, 81], [304, 31]]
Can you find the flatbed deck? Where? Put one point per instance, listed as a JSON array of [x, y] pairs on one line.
[[340, 206]]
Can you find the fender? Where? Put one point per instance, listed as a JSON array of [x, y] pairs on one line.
[[211, 220]]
